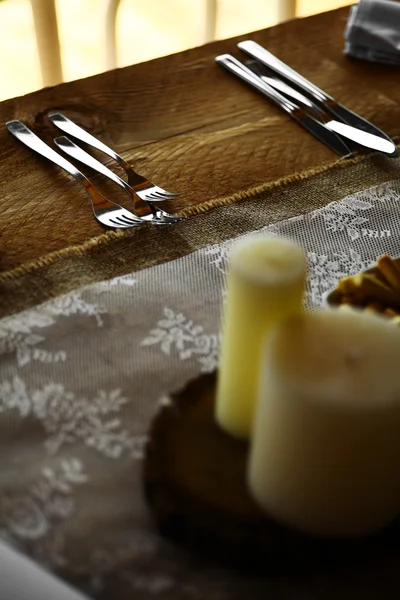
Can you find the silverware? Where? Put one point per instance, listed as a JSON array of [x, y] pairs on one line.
[[108, 213], [312, 109], [280, 86], [146, 211], [319, 130], [145, 189], [369, 135]]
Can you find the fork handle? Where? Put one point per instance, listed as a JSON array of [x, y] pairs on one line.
[[99, 201], [141, 207], [30, 139], [77, 132], [87, 159]]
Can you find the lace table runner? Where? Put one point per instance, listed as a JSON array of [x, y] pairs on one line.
[[80, 377]]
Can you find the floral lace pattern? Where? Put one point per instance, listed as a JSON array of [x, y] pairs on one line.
[[68, 418], [81, 377], [351, 216], [34, 517], [175, 332], [19, 333]]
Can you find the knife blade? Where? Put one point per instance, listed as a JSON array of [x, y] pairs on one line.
[[308, 122], [329, 103], [338, 127], [265, 74]]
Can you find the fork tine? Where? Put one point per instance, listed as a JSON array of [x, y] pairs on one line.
[[134, 179], [144, 210], [152, 192], [115, 223], [154, 197], [105, 211], [158, 196], [162, 193], [125, 220], [164, 217], [165, 193]]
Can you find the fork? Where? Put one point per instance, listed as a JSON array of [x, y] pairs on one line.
[[106, 212], [145, 189], [155, 215]]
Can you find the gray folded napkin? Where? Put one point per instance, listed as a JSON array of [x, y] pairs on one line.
[[373, 31]]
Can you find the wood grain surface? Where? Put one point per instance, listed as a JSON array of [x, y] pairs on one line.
[[186, 124]]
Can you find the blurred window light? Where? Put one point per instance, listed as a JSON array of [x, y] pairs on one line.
[[143, 30]]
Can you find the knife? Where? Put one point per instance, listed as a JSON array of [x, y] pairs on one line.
[[349, 132], [318, 129], [348, 117], [268, 77]]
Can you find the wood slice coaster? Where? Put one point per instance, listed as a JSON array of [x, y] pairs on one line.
[[195, 484]]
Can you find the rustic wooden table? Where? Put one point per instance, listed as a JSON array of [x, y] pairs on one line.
[[186, 124], [193, 128]]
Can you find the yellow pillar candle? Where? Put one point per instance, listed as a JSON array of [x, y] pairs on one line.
[[325, 454], [265, 285]]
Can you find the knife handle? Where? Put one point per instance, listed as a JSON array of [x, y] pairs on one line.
[[235, 66], [269, 60], [272, 79]]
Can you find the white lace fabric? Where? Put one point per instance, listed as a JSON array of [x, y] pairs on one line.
[[80, 378]]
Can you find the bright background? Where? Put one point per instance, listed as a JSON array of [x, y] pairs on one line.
[[146, 29]]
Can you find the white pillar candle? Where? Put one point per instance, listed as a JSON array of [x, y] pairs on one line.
[[325, 455], [265, 285]]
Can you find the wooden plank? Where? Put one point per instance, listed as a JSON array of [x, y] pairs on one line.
[[183, 122]]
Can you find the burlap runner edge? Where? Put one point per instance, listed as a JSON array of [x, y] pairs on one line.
[[208, 205]]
